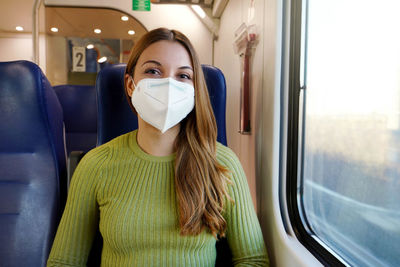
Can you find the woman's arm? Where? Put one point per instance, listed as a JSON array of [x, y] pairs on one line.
[[243, 229], [79, 222]]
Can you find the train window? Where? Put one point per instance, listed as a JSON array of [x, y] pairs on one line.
[[348, 129]]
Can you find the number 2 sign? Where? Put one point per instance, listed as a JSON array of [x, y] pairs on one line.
[[78, 59]]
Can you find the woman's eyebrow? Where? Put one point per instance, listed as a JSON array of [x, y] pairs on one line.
[[186, 67], [152, 61], [159, 64]]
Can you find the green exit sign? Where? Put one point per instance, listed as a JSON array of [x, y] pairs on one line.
[[141, 5]]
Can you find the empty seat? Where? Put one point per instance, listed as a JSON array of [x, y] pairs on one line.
[[80, 116], [32, 164]]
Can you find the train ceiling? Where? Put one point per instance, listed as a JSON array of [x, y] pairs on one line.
[[71, 22], [204, 3], [19, 12]]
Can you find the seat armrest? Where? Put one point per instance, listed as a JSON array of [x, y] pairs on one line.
[[73, 160]]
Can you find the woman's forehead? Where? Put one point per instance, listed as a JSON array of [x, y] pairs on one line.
[[168, 53]]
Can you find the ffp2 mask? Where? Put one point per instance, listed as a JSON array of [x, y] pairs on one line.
[[163, 103]]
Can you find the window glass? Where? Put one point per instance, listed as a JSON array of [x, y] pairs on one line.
[[351, 144]]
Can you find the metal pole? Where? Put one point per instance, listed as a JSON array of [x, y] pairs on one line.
[[35, 31]]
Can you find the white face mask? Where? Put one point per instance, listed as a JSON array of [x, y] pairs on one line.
[[163, 103]]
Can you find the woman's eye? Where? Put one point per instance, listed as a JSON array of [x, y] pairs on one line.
[[152, 71], [184, 76]]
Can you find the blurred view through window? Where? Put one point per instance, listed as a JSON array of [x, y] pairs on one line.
[[351, 129]]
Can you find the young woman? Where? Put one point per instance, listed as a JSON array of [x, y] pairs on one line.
[[163, 194]]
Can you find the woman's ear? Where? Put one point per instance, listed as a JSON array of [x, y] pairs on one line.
[[129, 84]]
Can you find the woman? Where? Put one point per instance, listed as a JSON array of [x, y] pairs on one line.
[[163, 194]]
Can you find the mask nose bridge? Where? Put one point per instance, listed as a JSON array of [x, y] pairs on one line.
[[168, 86], [176, 86], [160, 84], [171, 83]]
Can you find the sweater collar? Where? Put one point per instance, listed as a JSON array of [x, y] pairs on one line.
[[142, 154]]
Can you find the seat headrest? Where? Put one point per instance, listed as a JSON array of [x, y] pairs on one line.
[[30, 113], [216, 86], [115, 116], [32, 163]]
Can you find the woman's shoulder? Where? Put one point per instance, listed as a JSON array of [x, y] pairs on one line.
[[119, 141], [103, 151], [227, 157]]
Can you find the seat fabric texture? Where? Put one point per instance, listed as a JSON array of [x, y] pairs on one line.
[[32, 164], [80, 116]]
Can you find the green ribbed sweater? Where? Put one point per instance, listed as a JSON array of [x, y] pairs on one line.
[[131, 195]]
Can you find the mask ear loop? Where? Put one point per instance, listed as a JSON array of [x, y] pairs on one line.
[[134, 83]]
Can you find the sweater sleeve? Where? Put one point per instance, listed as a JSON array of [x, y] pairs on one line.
[[79, 222], [243, 233]]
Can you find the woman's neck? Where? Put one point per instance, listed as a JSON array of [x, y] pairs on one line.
[[155, 143]]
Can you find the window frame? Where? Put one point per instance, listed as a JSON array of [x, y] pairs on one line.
[[295, 152]]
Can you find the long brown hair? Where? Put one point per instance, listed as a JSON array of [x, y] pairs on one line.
[[200, 181]]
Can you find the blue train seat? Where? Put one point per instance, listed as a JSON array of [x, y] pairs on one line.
[[32, 165], [80, 116], [216, 86], [115, 117], [114, 114]]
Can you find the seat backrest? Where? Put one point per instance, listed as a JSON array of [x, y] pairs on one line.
[[115, 116], [216, 86], [32, 164], [80, 116]]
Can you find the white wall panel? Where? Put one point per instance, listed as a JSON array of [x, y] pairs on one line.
[[236, 12], [19, 47], [259, 152], [16, 48]]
